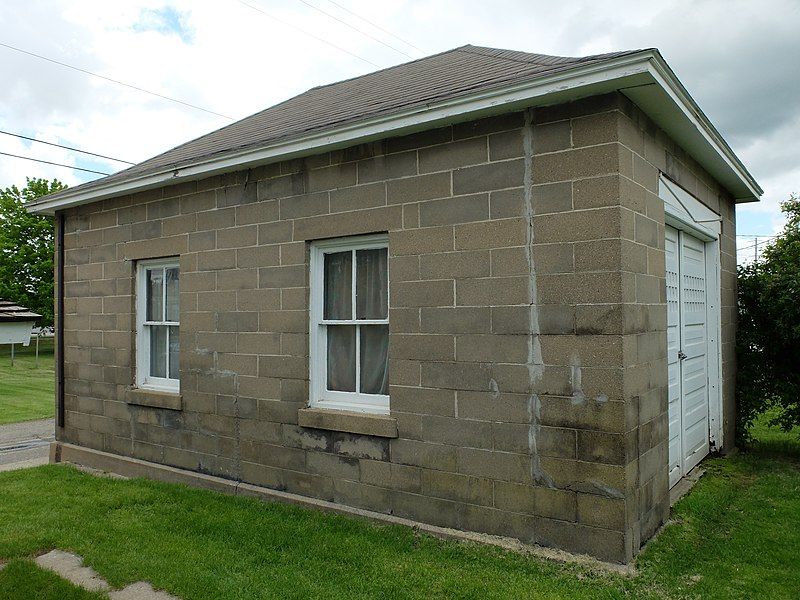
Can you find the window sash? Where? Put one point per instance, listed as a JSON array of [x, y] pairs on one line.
[[145, 326], [320, 395]]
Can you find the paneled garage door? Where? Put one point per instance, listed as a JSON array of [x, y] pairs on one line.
[[687, 349]]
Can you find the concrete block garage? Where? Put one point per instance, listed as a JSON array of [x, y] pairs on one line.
[[486, 290]]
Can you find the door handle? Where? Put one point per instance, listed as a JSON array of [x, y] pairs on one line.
[[681, 355]]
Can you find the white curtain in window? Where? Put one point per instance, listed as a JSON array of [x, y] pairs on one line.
[[338, 285], [348, 344], [371, 284], [342, 358], [375, 359]]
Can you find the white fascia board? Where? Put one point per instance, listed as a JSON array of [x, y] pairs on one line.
[[623, 72], [667, 80]]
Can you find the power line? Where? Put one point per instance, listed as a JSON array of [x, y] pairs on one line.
[[47, 162], [753, 245], [354, 28], [128, 85], [304, 32], [747, 248], [24, 137], [755, 235], [376, 26]]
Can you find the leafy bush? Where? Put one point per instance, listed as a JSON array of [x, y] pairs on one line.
[[768, 335]]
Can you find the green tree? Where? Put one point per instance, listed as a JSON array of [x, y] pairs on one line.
[[768, 336], [26, 248]]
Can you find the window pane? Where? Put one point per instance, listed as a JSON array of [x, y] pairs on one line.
[[155, 294], [371, 284], [342, 358], [158, 350], [174, 352], [173, 294], [374, 359], [339, 285]]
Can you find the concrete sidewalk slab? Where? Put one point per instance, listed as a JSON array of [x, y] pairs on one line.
[[26, 444], [140, 591], [69, 566], [27, 463], [12, 433]]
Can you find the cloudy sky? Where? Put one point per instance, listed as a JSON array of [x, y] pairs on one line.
[[739, 59]]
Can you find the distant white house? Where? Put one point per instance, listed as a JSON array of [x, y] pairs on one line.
[[16, 323]]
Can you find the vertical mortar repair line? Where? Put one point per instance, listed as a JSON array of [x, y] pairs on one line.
[[535, 362]]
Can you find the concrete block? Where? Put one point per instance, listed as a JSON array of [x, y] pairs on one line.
[[455, 320], [359, 197], [459, 209], [389, 166], [552, 137], [421, 241], [493, 176], [425, 401], [459, 264], [453, 155], [420, 187], [491, 234], [460, 488]]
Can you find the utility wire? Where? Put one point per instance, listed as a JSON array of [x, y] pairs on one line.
[[754, 245], [128, 85], [47, 162], [376, 26], [354, 28], [309, 34], [24, 137]]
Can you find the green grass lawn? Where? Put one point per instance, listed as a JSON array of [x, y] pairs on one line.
[[27, 392], [23, 580], [737, 535]]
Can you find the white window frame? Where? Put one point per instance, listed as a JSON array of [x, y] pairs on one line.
[[143, 377], [320, 396]]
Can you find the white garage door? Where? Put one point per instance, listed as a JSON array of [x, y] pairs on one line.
[[687, 348]]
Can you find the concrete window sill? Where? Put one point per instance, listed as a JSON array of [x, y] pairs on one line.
[[350, 422], [154, 398]]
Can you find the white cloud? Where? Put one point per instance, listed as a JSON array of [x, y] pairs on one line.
[[737, 58]]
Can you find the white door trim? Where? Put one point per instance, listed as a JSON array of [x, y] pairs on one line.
[[686, 213]]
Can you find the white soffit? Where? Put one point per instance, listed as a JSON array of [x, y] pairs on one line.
[[669, 105], [643, 77]]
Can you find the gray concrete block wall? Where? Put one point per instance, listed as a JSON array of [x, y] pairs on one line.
[[527, 370], [662, 153], [653, 152]]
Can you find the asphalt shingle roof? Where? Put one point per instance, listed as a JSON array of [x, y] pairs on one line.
[[452, 74], [10, 312]]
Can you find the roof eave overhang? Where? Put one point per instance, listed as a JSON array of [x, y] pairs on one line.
[[643, 76]]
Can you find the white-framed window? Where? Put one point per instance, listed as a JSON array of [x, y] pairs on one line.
[[157, 324], [350, 324]]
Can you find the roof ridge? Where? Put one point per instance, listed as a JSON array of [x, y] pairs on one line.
[[382, 70], [469, 49], [505, 52]]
